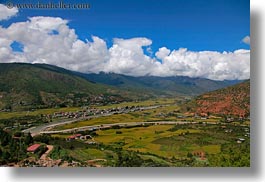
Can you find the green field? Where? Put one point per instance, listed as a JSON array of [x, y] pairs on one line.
[[87, 154]]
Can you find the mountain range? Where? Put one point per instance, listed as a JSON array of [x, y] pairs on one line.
[[24, 86], [169, 86]]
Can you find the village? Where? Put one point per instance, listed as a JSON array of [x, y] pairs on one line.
[[43, 150]]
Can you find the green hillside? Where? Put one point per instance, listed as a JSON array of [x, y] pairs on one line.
[[36, 85]]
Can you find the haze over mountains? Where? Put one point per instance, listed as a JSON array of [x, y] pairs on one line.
[[40, 85], [175, 85]]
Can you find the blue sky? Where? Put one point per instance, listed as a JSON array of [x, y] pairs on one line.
[[216, 25], [195, 38]]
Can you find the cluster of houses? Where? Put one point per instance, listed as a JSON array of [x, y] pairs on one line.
[[195, 116], [94, 111], [238, 140], [100, 99], [89, 139], [247, 134], [199, 154]]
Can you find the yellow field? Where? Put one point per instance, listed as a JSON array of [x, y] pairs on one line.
[[142, 138]]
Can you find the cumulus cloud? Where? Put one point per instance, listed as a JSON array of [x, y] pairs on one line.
[[125, 56], [6, 13], [207, 64], [246, 40], [162, 53], [42, 46]]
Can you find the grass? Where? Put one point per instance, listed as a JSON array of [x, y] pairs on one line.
[[87, 154], [212, 149], [156, 159]]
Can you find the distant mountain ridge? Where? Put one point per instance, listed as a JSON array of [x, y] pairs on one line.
[[175, 85]]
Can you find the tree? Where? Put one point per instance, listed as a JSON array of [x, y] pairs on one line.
[[6, 156], [128, 159], [29, 139], [44, 138], [18, 134], [189, 155]]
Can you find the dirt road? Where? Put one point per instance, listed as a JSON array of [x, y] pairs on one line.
[[44, 156]]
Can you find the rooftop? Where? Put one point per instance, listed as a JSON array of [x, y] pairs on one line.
[[33, 148]]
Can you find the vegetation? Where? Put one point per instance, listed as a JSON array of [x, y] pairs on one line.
[[163, 145], [210, 130], [33, 86], [13, 146]]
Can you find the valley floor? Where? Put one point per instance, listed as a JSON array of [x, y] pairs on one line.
[[149, 133]]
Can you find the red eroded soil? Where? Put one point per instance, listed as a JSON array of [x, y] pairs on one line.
[[234, 100]]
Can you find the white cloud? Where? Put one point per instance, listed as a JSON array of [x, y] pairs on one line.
[[6, 13], [46, 24], [162, 53], [125, 56], [63, 49], [207, 64], [246, 40]]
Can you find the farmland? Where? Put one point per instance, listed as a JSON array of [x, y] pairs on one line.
[[165, 136], [168, 145]]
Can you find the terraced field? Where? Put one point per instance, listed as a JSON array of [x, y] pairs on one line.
[[167, 145], [158, 140]]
